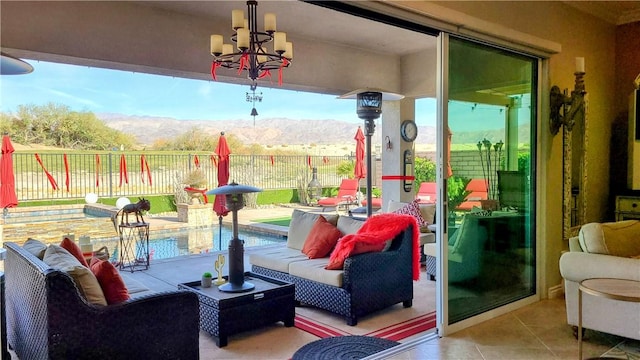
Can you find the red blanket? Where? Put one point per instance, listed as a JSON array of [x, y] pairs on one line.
[[377, 230]]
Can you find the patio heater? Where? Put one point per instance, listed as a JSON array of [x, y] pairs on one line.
[[369, 108], [234, 194]]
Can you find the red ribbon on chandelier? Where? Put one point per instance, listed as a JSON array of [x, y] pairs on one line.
[[285, 63], [244, 63], [214, 66], [264, 74]]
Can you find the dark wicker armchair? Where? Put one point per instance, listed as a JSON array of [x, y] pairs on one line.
[[47, 318]]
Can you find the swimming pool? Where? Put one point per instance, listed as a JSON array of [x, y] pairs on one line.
[[164, 245]]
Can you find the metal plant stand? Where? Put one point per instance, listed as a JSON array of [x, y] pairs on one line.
[[134, 247]]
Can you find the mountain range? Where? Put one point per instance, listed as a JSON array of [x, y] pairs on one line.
[[276, 131]]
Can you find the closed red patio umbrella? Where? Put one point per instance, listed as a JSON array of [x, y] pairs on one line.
[[220, 203], [8, 196]]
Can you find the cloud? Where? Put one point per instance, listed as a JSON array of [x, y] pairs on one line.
[[80, 100], [204, 90]]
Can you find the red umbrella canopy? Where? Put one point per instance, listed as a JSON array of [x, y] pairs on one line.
[[360, 170], [220, 204], [8, 196]]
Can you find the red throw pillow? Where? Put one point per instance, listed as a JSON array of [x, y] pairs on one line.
[[413, 209], [114, 289], [321, 239], [74, 249]]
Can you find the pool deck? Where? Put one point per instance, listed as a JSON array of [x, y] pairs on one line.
[[165, 274], [52, 228], [247, 219]]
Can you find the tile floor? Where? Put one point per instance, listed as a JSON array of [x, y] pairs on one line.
[[537, 331]]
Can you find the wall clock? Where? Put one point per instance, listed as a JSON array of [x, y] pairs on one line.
[[409, 130]]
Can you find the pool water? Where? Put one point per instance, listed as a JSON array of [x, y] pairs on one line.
[[204, 240]]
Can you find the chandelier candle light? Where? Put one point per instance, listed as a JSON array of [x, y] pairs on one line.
[[251, 52]]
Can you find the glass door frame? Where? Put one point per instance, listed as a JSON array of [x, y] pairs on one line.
[[442, 231]]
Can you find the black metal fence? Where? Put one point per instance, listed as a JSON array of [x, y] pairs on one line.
[[56, 175]]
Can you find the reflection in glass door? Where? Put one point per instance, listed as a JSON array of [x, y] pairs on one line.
[[491, 108]]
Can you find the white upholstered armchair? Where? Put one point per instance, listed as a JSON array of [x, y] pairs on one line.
[[607, 250]]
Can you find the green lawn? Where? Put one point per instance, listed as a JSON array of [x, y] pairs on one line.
[[281, 221]]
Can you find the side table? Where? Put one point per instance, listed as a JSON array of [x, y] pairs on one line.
[[225, 313], [134, 246], [614, 289]]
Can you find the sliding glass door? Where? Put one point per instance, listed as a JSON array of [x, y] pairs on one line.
[[488, 100]]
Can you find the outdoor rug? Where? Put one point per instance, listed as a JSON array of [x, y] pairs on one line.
[[393, 323], [628, 349], [343, 348], [395, 332]]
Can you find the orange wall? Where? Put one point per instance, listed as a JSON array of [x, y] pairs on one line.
[[627, 62]]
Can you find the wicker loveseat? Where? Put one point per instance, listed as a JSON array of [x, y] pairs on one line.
[[47, 318], [368, 282]]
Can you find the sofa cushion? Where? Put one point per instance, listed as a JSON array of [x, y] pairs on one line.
[[111, 283], [74, 250], [620, 238], [412, 208], [314, 270], [349, 225], [35, 247], [300, 225], [57, 257], [321, 239], [427, 238], [428, 212], [277, 258]]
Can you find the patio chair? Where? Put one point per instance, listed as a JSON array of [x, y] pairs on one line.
[[427, 193], [346, 195], [478, 188], [376, 203]]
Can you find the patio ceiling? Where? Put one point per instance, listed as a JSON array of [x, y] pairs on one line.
[[311, 22], [333, 52]]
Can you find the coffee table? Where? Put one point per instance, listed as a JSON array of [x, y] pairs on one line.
[[614, 289], [225, 313]]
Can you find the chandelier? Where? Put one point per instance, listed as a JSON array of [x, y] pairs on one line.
[[256, 51]]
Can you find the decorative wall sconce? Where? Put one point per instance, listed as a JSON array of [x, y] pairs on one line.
[[560, 101]]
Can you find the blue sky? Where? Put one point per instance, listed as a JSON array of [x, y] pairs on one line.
[[99, 90], [110, 91]]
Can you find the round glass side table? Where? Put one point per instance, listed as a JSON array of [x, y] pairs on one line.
[[614, 289]]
